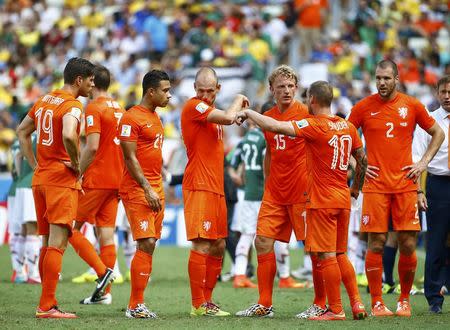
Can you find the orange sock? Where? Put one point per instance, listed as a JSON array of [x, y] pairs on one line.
[[406, 270], [87, 252], [197, 277], [51, 267], [41, 261], [213, 269], [374, 273], [320, 296], [108, 257], [348, 278], [141, 268], [267, 268], [332, 283]]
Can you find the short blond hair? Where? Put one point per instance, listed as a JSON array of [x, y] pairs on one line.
[[285, 71]]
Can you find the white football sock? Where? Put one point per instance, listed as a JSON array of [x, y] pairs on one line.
[[307, 263], [282, 257], [352, 247], [32, 249], [19, 255], [361, 254], [242, 249]]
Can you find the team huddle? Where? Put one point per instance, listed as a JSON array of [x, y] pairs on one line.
[[304, 187]]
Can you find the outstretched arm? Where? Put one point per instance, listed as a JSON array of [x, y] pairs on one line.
[[267, 123], [227, 117]]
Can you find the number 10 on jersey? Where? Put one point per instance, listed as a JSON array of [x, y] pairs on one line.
[[342, 146]]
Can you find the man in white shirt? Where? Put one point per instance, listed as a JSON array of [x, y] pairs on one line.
[[436, 202]]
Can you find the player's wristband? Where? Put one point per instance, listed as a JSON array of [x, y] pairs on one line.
[[419, 192]]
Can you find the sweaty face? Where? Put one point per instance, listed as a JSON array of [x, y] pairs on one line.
[[86, 86], [206, 90], [161, 95], [283, 90], [386, 82], [444, 96]]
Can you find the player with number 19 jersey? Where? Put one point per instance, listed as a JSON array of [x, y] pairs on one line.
[[54, 184]]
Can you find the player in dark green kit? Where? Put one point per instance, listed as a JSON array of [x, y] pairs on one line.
[[250, 151]]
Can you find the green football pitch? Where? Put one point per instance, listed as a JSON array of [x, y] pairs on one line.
[[168, 295]]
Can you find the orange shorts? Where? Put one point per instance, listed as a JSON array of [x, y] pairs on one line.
[[400, 207], [98, 206], [205, 215], [144, 222], [327, 230], [54, 205], [277, 221]]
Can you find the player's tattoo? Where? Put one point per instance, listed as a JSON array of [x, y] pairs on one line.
[[361, 167]]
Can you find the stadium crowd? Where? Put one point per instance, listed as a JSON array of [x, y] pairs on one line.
[[38, 37]]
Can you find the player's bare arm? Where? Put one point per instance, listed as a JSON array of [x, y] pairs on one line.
[[70, 141], [89, 151], [227, 117], [24, 131], [422, 202], [236, 175], [135, 169], [360, 171], [267, 123], [416, 169]]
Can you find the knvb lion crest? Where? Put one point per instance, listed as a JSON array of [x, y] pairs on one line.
[[206, 225], [403, 112], [143, 224], [365, 220]]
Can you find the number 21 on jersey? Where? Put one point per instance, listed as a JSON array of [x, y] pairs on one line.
[[342, 145], [44, 123]]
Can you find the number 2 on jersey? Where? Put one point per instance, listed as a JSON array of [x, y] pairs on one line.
[[45, 123], [342, 146]]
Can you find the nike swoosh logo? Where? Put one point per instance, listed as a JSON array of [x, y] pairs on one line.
[[148, 126], [143, 274], [372, 269], [374, 113], [416, 222]]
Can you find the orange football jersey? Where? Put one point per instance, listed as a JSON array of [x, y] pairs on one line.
[[330, 140], [388, 128], [204, 147], [286, 183], [144, 127], [48, 113], [103, 116]]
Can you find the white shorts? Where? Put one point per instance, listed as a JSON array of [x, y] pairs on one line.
[[355, 214], [121, 218], [248, 216], [235, 222], [14, 225], [25, 205]]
